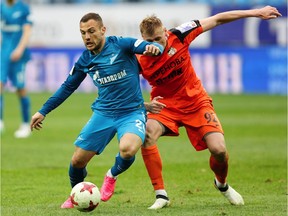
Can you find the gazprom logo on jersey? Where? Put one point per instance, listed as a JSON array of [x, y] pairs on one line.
[[110, 78]]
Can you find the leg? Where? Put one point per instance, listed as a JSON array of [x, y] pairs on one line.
[[77, 170], [219, 165], [128, 147], [17, 77], [95, 140], [24, 129], [219, 156], [1, 108], [153, 162], [4, 71], [24, 105], [210, 135]]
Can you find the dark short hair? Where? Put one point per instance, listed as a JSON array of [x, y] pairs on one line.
[[93, 16]]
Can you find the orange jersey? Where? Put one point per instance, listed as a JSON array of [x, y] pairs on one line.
[[172, 75]]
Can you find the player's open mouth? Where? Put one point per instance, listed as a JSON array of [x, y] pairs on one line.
[[89, 44]]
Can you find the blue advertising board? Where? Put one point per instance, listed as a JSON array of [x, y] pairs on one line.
[[252, 32], [226, 70], [242, 70]]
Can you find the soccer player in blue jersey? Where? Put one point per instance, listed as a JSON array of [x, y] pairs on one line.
[[15, 30], [119, 108]]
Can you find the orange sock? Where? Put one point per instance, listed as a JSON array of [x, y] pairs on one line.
[[153, 163], [219, 168]]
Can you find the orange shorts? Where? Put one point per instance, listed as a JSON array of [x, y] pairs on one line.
[[197, 123]]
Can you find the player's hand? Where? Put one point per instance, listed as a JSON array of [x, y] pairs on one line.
[[36, 121], [268, 12], [155, 106], [16, 55], [151, 50]]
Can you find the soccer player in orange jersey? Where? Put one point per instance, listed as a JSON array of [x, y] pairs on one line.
[[183, 98]]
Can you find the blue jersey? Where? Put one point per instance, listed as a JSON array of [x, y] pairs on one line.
[[13, 18], [114, 71]]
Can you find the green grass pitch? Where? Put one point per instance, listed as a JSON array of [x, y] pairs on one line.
[[34, 171]]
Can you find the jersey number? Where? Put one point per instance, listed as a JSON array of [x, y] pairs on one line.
[[211, 117], [140, 126]]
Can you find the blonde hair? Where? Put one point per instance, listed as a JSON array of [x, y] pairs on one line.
[[149, 24]]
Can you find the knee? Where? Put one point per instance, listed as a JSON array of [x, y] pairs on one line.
[[127, 154], [151, 136], [129, 151], [219, 152], [78, 162], [221, 156], [149, 140], [21, 92], [216, 145]]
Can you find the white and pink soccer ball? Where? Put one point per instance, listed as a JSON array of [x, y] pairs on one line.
[[85, 196]]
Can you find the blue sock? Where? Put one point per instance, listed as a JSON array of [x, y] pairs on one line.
[[121, 165], [77, 175], [1, 107], [25, 109]]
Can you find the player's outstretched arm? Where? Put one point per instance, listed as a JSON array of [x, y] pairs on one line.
[[36, 121], [265, 13]]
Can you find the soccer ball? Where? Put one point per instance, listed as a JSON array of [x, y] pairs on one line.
[[85, 196]]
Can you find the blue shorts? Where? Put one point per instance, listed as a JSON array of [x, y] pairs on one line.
[[14, 71], [100, 129]]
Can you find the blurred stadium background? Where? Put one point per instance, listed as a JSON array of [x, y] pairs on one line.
[[248, 56]]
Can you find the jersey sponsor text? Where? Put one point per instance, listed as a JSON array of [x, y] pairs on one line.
[[167, 67], [112, 78]]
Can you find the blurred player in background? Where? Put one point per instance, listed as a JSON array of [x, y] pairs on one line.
[[119, 108], [15, 33], [172, 77]]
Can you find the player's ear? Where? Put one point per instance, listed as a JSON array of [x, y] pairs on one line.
[[103, 29], [165, 31]]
